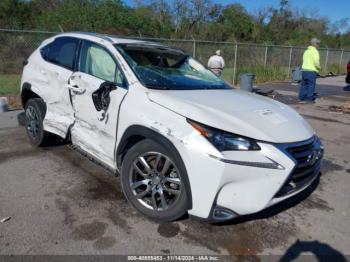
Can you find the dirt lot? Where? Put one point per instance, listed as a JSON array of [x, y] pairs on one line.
[[61, 203]]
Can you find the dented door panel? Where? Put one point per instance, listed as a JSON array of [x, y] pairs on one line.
[[95, 131], [59, 114], [49, 81]]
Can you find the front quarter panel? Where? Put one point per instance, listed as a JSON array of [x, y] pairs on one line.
[[243, 189], [137, 109]]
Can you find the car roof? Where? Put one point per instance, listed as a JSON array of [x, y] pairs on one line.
[[104, 38], [109, 38]]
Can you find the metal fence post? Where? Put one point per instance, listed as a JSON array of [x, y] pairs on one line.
[[265, 60], [194, 48], [235, 64], [341, 60], [326, 62], [290, 60]]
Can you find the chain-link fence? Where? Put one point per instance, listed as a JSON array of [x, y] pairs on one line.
[[268, 62]]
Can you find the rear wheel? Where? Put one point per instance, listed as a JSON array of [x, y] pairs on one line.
[[154, 181], [35, 110]]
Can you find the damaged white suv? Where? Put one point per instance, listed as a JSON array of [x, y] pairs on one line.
[[181, 138]]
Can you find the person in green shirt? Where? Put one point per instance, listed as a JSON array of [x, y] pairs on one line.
[[311, 67]]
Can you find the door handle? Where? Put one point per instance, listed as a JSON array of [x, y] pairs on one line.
[[76, 89], [72, 78], [43, 72]]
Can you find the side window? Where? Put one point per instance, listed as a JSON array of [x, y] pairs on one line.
[[96, 61], [61, 51], [45, 52]]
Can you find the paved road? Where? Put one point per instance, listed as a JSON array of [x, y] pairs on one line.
[[61, 203]]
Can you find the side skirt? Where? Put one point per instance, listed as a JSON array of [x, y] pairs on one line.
[[93, 159]]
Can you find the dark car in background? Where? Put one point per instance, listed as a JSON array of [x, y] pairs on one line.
[[348, 74]]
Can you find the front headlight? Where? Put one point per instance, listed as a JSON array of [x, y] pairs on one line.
[[224, 141]]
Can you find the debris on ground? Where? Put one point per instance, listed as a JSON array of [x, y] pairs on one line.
[[345, 109], [286, 99], [269, 93], [330, 74], [5, 219]]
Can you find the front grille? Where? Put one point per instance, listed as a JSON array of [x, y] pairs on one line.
[[307, 156]]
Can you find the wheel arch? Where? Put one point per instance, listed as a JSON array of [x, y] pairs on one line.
[[27, 93], [135, 134]]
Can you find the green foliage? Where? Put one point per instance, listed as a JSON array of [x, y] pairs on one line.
[[262, 74], [238, 24], [201, 19], [14, 13], [9, 84], [336, 69]]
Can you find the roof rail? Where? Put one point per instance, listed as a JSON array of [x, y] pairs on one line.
[[102, 36]]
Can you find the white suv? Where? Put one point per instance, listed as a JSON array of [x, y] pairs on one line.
[[181, 138]]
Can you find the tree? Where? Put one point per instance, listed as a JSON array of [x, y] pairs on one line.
[[14, 13], [281, 23], [201, 19], [238, 24]]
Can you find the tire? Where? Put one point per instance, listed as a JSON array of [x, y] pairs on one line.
[[347, 80], [167, 178], [35, 110]]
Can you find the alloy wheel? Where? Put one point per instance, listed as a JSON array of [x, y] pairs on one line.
[[33, 122], [155, 181]]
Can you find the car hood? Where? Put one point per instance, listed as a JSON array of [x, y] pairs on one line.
[[237, 112]]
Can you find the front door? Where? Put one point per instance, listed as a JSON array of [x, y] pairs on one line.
[[96, 119]]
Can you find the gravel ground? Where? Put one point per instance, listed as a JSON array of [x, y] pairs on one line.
[[61, 203]]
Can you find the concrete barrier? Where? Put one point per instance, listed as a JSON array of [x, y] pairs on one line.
[[3, 104]]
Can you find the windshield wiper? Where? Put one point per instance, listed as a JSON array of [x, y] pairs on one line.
[[216, 87], [157, 87]]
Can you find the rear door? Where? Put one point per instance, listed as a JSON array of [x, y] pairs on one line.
[[97, 89], [60, 59]]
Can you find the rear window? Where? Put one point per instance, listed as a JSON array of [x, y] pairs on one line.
[[61, 51]]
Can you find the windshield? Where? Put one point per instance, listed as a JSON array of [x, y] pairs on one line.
[[161, 67]]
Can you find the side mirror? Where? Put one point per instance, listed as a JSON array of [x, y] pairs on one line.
[[101, 96]]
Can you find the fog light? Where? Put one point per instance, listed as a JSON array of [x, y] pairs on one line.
[[223, 214]]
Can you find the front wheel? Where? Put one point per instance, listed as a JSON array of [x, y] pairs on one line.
[[155, 181]]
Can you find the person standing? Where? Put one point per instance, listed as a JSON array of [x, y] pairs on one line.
[[310, 68], [216, 63]]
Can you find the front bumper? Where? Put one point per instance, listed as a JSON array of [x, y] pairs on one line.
[[307, 156], [243, 189]]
